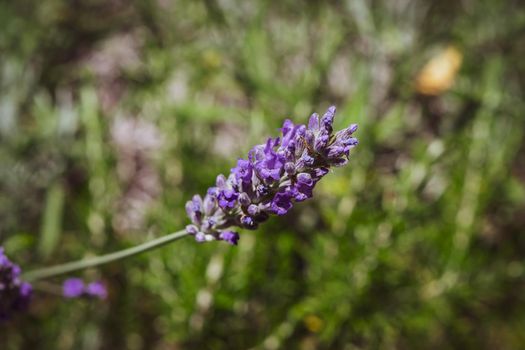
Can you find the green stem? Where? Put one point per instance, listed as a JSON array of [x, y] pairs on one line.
[[61, 269]]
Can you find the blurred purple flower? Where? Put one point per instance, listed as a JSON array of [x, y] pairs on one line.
[[76, 288], [73, 288], [275, 175], [97, 290], [15, 294]]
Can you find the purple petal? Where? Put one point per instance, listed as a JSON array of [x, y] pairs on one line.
[[313, 123], [281, 203], [328, 119]]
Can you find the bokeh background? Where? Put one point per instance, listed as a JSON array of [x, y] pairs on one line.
[[114, 113]]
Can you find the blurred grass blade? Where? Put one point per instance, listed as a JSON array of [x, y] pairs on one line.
[[52, 220]]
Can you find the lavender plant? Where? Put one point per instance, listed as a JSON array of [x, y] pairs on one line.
[[275, 175], [14, 293]]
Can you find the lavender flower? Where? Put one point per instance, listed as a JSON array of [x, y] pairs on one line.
[[15, 294], [76, 288], [73, 288], [96, 290], [276, 174]]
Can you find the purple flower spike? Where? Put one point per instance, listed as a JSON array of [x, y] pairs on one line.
[[15, 294], [275, 175]]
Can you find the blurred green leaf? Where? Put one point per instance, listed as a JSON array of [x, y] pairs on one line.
[[51, 228]]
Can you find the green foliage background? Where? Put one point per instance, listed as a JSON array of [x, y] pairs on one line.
[[114, 113]]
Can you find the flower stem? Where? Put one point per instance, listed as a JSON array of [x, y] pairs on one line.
[[61, 269]]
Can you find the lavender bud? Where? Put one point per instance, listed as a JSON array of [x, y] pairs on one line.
[[320, 172], [230, 237], [313, 123], [243, 171], [221, 181], [209, 223], [192, 229], [208, 204], [305, 178], [227, 198], [321, 141], [262, 190], [336, 151], [309, 136], [289, 168], [244, 199], [248, 222], [200, 237], [253, 210], [328, 119], [282, 203], [213, 192]]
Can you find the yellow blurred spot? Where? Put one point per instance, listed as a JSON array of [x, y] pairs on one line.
[[211, 59], [438, 74], [313, 323]]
